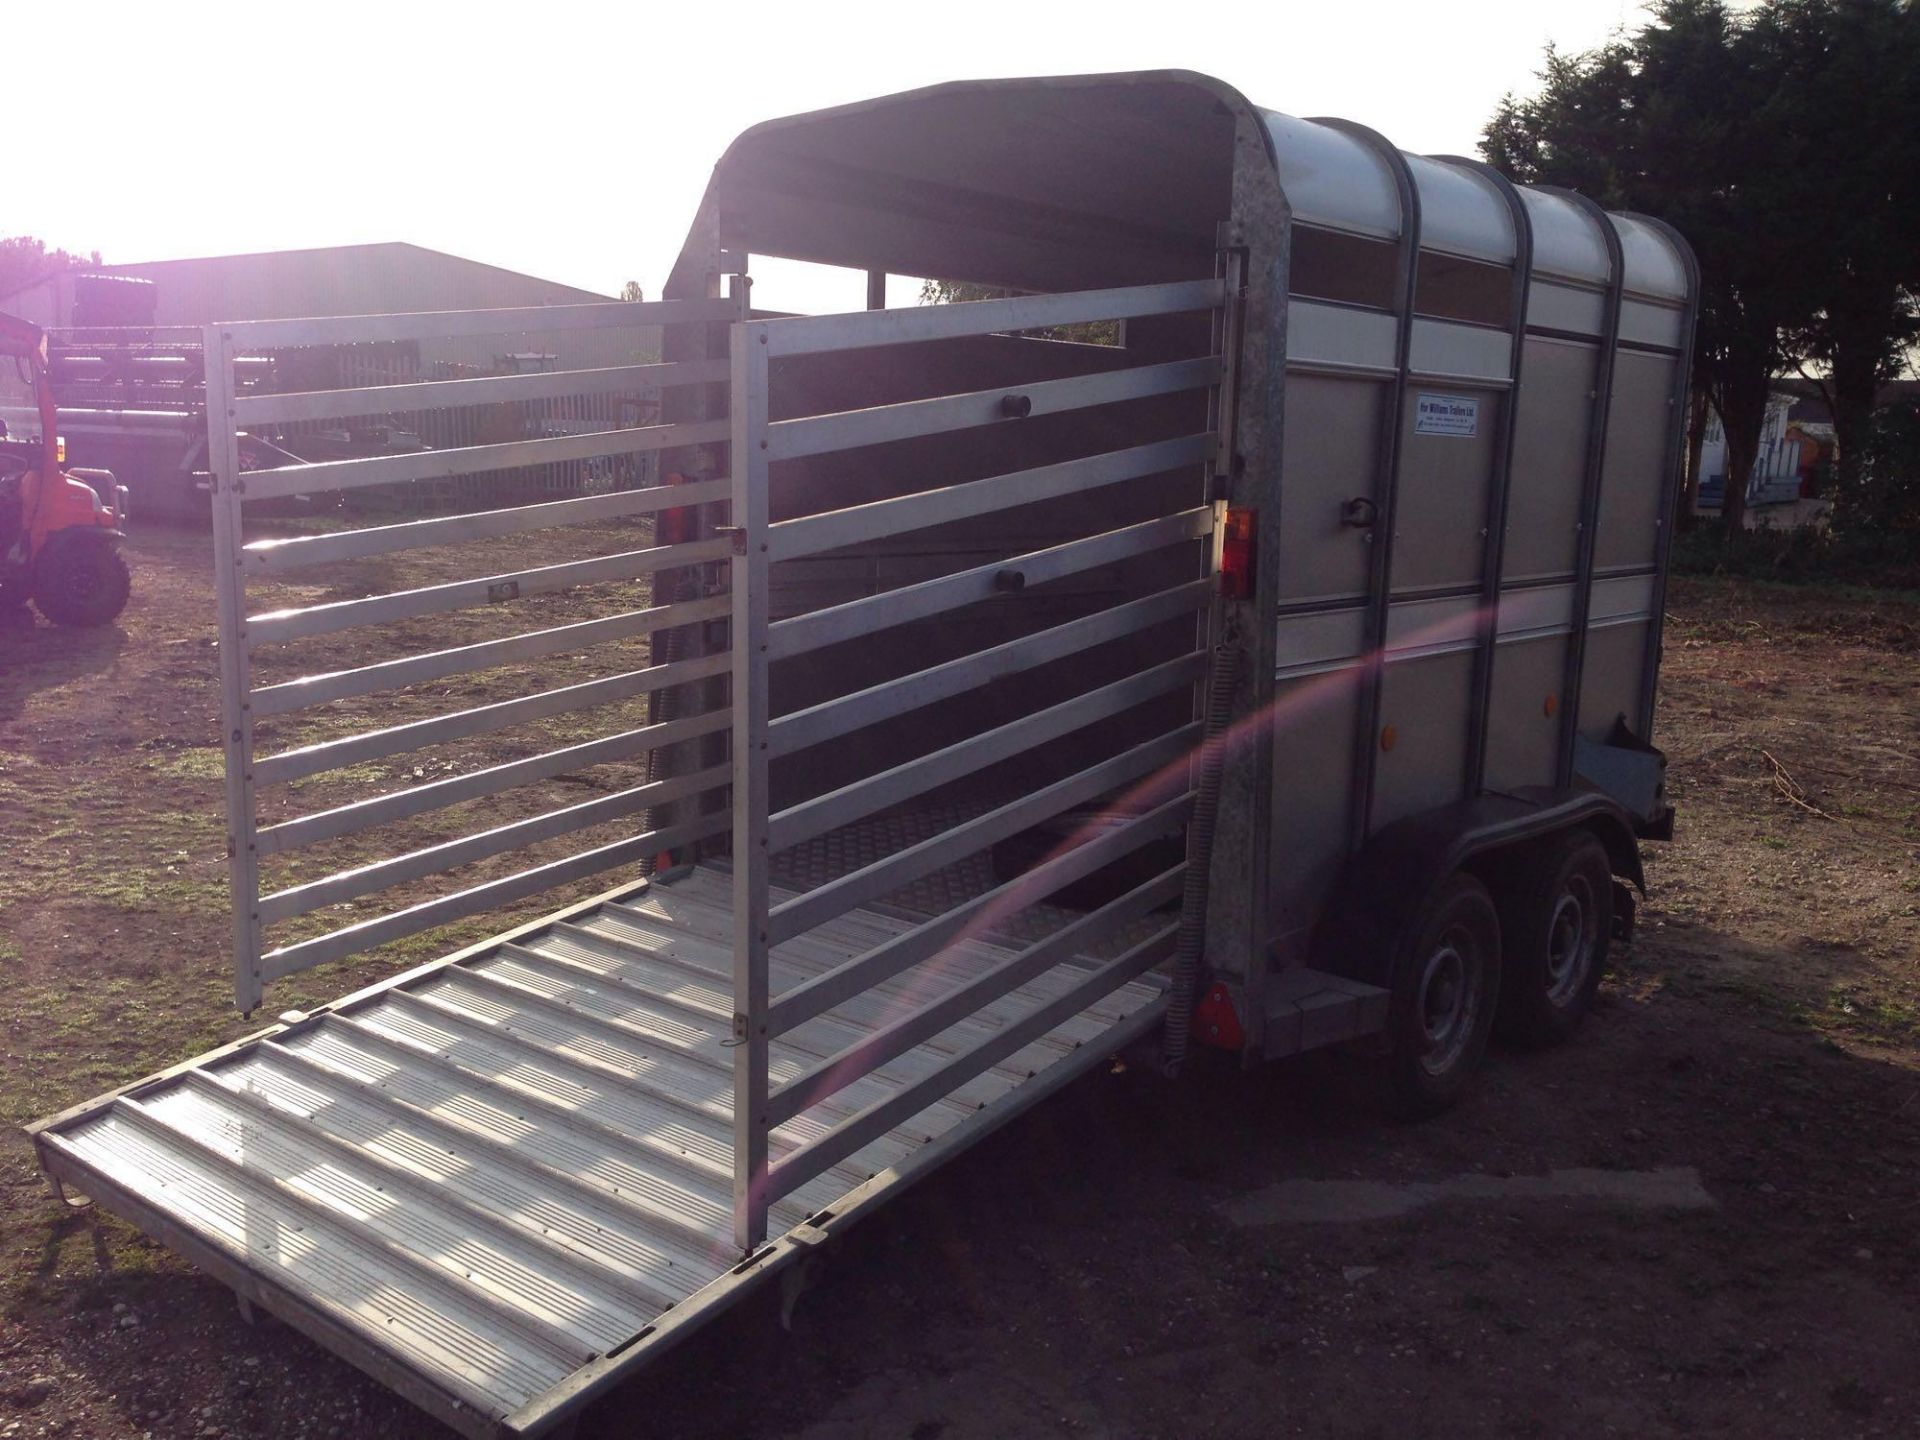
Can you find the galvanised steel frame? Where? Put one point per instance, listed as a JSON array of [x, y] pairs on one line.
[[244, 635]]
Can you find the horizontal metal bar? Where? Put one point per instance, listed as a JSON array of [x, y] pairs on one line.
[[540, 1335], [434, 859], [289, 959], [848, 713], [878, 424], [923, 942], [864, 797], [270, 557], [693, 1239], [851, 1136], [481, 720], [459, 983], [811, 534], [611, 1291], [438, 794], [312, 690], [255, 335], [679, 1005], [688, 1167], [817, 906], [871, 613], [1443, 377], [278, 626], [256, 410], [331, 475], [706, 1114], [356, 1337], [860, 1058], [816, 334]]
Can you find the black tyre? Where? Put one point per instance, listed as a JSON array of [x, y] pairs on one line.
[[83, 582], [1446, 984], [1556, 915]]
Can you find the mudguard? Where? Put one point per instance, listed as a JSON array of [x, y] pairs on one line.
[[1386, 886]]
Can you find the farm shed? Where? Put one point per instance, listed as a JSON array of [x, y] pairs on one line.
[[388, 278]]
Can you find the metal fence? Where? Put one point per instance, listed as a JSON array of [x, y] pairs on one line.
[[1126, 724], [109, 382], [245, 637], [1028, 666]]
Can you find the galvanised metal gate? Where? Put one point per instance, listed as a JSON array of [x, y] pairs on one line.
[[1127, 726], [357, 739], [1029, 646]]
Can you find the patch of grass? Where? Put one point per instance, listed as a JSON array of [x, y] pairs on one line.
[[201, 762], [368, 773]]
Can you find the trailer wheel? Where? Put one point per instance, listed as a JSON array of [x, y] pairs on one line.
[[1556, 913], [1445, 987]]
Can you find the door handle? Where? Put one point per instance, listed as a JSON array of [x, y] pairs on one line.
[[1360, 513]]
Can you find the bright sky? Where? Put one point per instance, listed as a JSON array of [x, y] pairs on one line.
[[573, 140]]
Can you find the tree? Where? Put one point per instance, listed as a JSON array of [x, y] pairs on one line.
[[1883, 503], [26, 261], [631, 291], [1685, 119], [1854, 95]]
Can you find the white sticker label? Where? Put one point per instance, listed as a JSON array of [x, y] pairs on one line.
[[1446, 415]]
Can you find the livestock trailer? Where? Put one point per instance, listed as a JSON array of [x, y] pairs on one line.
[[1242, 629]]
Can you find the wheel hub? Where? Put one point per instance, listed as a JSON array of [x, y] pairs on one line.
[[1449, 1001], [1570, 942]]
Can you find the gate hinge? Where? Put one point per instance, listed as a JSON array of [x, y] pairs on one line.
[[739, 1032]]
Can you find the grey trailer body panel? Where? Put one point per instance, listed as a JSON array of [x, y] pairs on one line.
[[1350, 469]]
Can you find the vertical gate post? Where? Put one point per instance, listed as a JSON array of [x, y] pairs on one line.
[[748, 461], [236, 713]]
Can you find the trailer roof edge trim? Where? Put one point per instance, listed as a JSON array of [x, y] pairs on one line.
[[1123, 158]]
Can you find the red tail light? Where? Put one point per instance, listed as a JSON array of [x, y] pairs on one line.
[[1215, 1023], [1237, 548], [674, 526]]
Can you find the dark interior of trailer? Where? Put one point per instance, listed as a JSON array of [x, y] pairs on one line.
[[1024, 191]]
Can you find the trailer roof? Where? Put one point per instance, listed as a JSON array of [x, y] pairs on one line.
[[1075, 181]]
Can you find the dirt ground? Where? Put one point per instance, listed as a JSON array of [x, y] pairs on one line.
[[1134, 1258]]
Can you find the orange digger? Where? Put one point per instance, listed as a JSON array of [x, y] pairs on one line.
[[59, 530]]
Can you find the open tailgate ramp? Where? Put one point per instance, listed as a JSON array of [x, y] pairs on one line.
[[499, 1181]]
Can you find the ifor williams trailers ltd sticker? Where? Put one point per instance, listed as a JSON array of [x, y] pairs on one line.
[[1446, 415]]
